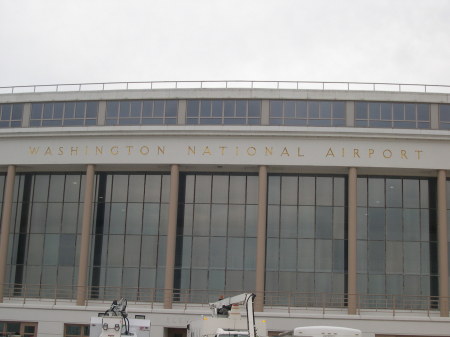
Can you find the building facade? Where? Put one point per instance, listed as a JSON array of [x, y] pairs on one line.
[[330, 205]]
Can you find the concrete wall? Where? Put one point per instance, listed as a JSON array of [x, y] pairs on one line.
[[51, 319], [340, 95]]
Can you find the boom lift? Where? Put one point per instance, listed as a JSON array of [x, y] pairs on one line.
[[226, 320], [114, 322]]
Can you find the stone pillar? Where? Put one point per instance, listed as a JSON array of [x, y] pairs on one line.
[[261, 240], [85, 234], [171, 236], [352, 291], [442, 242], [6, 220]]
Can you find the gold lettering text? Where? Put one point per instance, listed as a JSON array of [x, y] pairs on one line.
[[371, 152], [144, 150], [356, 153], [403, 154], [206, 151], [114, 150], [387, 153], [33, 150], [285, 152], [251, 151], [191, 150], [74, 151], [48, 151], [330, 153], [418, 153]]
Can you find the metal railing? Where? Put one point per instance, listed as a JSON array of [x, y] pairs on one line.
[[228, 84], [273, 301]]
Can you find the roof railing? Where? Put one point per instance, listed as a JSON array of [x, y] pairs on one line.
[[228, 84], [281, 301]]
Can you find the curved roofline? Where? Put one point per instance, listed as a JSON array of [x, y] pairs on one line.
[[226, 93], [230, 84]]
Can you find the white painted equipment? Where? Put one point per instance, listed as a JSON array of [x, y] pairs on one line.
[[227, 321], [322, 331], [114, 322]]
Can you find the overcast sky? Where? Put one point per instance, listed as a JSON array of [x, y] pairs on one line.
[[77, 41]]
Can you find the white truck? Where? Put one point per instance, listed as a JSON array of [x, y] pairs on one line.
[[114, 322], [227, 320], [322, 331]]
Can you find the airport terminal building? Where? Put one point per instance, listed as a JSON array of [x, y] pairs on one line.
[[329, 201]]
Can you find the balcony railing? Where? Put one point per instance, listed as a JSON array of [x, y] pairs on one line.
[[228, 84], [273, 301]]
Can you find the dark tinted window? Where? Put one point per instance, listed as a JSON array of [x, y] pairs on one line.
[[64, 114], [229, 112], [307, 113], [392, 115], [141, 112], [11, 115]]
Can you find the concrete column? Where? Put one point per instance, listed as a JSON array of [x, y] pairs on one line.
[[442, 242], [349, 113], [101, 117], [85, 233], [6, 220], [171, 236], [265, 110], [182, 108], [434, 116], [26, 115], [261, 239], [352, 291]]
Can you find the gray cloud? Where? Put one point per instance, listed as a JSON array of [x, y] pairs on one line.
[[326, 40]]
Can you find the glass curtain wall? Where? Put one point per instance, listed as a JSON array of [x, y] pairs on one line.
[[306, 239], [45, 234], [397, 253], [216, 235], [128, 242]]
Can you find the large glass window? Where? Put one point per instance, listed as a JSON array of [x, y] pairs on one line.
[[444, 116], [229, 112], [306, 237], [64, 113], [141, 112], [129, 235], [216, 235], [45, 234], [25, 329], [307, 113], [392, 115], [396, 241], [76, 330], [11, 115]]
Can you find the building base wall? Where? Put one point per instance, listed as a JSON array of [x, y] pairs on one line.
[[52, 318]]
